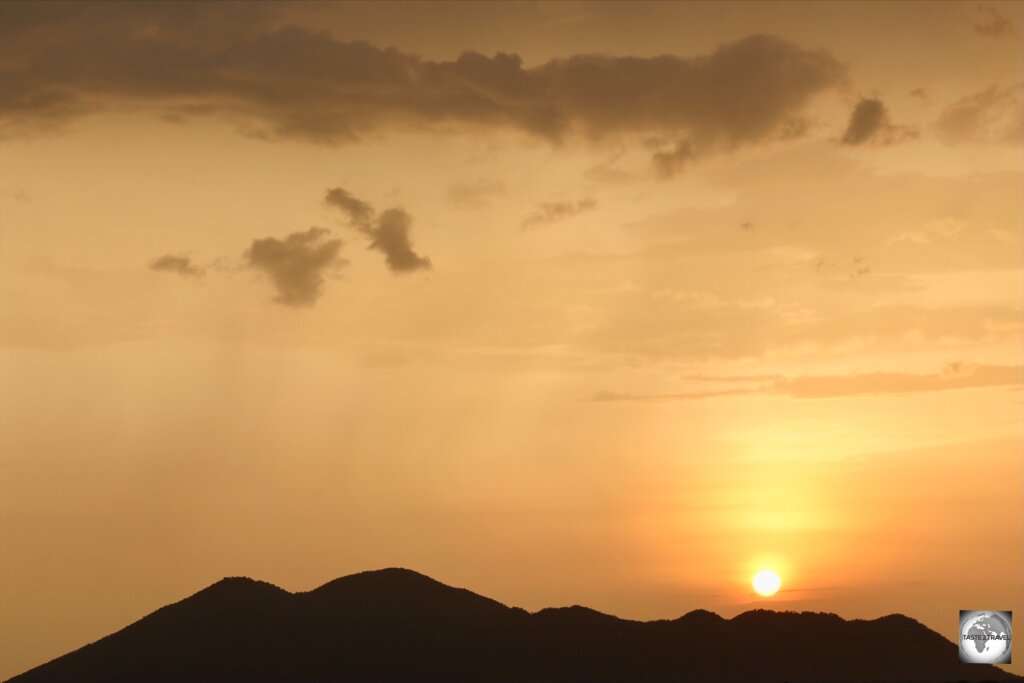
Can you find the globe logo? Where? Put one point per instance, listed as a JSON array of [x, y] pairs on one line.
[[985, 637]]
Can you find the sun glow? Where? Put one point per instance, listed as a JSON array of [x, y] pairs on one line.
[[766, 582]]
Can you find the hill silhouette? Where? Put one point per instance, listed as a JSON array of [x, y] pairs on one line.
[[397, 625]]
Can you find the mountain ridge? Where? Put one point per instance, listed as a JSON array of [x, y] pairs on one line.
[[396, 625]]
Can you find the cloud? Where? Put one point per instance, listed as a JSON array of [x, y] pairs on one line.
[[667, 162], [953, 376], [358, 211], [179, 264], [989, 21], [992, 116], [745, 91], [616, 397], [552, 212], [286, 81], [740, 319], [297, 264], [869, 123], [391, 237], [25, 107], [476, 194], [389, 233]]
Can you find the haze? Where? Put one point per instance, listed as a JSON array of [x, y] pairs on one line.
[[608, 304]]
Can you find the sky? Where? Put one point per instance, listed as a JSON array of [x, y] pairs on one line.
[[565, 303]]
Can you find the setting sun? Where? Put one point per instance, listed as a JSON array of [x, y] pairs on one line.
[[766, 582]]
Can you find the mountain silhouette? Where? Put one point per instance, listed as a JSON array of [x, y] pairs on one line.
[[395, 625]]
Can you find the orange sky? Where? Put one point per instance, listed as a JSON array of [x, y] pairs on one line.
[[678, 292]]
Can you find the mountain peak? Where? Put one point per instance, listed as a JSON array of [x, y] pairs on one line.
[[897, 618], [240, 582], [241, 587], [389, 576], [575, 614], [701, 616]]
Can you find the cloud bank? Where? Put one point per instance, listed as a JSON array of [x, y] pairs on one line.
[[288, 81]]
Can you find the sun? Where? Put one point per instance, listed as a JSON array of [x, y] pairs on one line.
[[766, 582]]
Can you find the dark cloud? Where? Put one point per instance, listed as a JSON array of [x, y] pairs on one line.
[[181, 265], [297, 264], [869, 123], [391, 237], [389, 233], [358, 211], [209, 23], [867, 118], [552, 212], [24, 106], [743, 91], [993, 116], [989, 21], [283, 80]]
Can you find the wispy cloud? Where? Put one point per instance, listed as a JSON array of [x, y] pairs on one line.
[[553, 212], [953, 376], [614, 396], [988, 21], [475, 194], [994, 115], [669, 161]]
